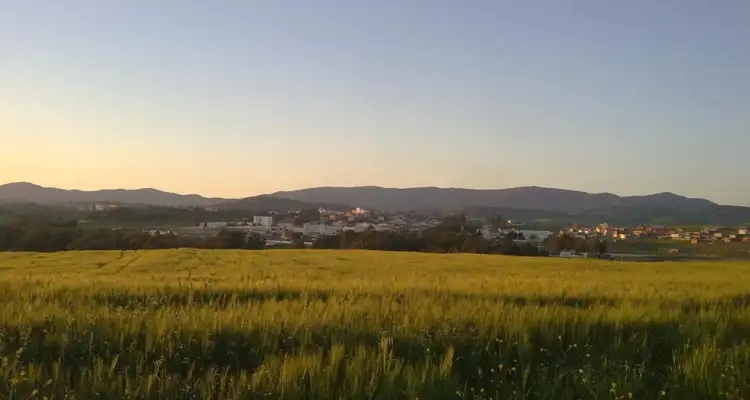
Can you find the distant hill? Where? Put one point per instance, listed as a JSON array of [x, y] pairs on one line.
[[518, 214], [23, 192], [274, 203], [31, 193], [449, 199], [531, 203], [523, 203]]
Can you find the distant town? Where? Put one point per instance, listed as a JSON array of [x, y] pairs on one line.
[[281, 228], [523, 221]]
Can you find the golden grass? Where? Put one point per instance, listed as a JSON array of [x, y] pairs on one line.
[[350, 325]]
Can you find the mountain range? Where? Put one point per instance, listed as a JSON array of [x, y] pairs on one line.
[[533, 203], [451, 199], [25, 192], [527, 203], [30, 193]]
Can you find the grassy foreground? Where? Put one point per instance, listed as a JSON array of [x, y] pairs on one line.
[[362, 325]]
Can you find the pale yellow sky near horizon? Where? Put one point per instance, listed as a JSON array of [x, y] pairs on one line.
[[66, 162], [58, 147], [87, 145], [78, 156]]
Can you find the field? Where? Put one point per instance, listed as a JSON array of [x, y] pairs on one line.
[[284, 324]]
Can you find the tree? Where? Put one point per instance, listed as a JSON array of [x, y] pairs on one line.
[[453, 223], [10, 237], [474, 243], [565, 242], [581, 246], [305, 216], [328, 242], [37, 238], [515, 235], [256, 242], [231, 239], [601, 248], [496, 222]]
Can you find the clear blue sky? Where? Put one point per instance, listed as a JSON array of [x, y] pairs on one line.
[[235, 98]]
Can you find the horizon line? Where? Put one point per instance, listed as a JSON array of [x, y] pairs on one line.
[[347, 187]]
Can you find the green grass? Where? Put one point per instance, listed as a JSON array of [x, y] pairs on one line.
[[184, 324]]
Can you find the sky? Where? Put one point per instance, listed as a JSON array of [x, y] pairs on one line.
[[237, 98]]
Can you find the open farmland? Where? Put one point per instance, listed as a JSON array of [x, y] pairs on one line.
[[360, 325]]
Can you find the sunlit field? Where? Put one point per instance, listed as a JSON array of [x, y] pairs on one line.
[[188, 324]]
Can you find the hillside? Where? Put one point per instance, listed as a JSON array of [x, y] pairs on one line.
[[23, 192], [274, 203], [31, 193], [449, 199], [524, 203], [531, 203]]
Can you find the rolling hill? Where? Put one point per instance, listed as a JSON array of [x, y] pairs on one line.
[[30, 193], [531, 203], [450, 199], [524, 203], [274, 203], [23, 192]]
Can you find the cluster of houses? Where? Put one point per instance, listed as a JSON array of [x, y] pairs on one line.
[[279, 228], [660, 232]]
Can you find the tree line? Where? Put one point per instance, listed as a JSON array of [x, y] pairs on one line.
[[447, 239], [430, 241], [47, 236], [453, 235]]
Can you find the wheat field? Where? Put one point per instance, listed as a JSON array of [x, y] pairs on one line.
[[297, 324]]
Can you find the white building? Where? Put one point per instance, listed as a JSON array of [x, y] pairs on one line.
[[263, 221], [104, 207]]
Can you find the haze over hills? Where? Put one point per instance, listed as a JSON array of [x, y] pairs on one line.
[[24, 192], [525, 203], [451, 199], [31, 193], [535, 203]]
